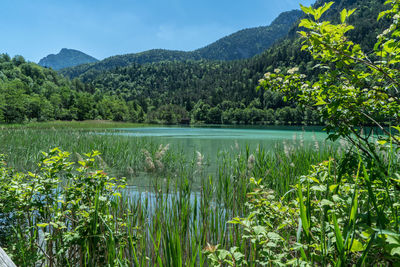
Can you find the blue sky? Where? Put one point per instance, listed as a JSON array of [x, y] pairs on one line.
[[102, 28]]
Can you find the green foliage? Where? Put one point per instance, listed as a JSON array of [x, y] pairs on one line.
[[62, 214], [183, 208], [344, 213], [336, 219], [355, 90], [189, 80]]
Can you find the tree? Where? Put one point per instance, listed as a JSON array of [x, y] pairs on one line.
[[356, 90], [344, 212]]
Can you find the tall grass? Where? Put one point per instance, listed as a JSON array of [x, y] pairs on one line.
[[185, 210]]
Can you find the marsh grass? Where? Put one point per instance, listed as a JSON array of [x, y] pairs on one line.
[[169, 223]]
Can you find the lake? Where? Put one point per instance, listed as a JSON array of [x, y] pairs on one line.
[[212, 140], [122, 149]]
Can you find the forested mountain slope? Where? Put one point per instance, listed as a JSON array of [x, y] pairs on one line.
[[66, 58], [169, 91], [240, 45], [219, 91]]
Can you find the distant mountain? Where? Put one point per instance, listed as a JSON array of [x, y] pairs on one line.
[[250, 42], [66, 58], [240, 45]]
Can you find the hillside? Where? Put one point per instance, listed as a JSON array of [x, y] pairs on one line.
[[224, 92], [240, 45], [66, 58], [167, 91], [250, 42]]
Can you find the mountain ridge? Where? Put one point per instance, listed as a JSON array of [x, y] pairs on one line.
[[66, 58], [242, 44]]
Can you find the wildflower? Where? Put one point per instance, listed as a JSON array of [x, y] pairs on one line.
[[277, 70]]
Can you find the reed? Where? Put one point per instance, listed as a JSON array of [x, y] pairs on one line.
[[182, 212]]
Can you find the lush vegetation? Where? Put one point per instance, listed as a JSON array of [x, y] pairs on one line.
[[223, 92], [29, 92], [200, 91], [66, 58], [344, 212], [289, 206], [65, 212]]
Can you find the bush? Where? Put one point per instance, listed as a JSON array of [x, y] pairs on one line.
[[63, 214]]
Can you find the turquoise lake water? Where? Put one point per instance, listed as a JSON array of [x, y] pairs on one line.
[[210, 141]]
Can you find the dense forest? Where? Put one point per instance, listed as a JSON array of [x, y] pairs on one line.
[[174, 91]]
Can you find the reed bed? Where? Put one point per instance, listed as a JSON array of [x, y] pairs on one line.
[[184, 210]]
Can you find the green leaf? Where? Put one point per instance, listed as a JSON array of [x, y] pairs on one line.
[[356, 246], [307, 10], [326, 7], [343, 15], [338, 235], [395, 251], [320, 101], [303, 213]]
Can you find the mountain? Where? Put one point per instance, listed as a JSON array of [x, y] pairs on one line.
[[208, 91], [250, 42], [66, 58], [224, 91], [240, 45]]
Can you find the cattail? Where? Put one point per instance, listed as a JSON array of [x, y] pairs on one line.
[[301, 140], [130, 170], [161, 151], [236, 145], [286, 149], [78, 156], [159, 164], [316, 144], [103, 164], [251, 161], [200, 158], [149, 164]]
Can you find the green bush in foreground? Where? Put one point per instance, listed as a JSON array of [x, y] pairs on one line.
[[343, 213], [63, 215]]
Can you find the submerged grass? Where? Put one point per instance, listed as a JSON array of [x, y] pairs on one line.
[[170, 224]]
